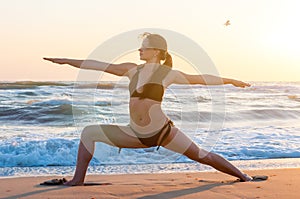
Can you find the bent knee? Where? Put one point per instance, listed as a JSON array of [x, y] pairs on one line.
[[89, 132], [95, 133]]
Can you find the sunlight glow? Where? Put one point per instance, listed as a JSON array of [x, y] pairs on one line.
[[284, 36], [286, 39]]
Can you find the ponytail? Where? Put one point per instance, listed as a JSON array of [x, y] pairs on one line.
[[168, 59]]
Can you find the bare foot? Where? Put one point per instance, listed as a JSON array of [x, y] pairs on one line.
[[246, 178]]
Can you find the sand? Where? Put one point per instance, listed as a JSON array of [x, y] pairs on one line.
[[282, 184]]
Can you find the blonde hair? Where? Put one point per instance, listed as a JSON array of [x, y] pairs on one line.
[[156, 41]]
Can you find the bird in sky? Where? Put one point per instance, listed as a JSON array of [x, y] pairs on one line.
[[227, 23]]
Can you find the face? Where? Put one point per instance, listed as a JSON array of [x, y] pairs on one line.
[[147, 54]]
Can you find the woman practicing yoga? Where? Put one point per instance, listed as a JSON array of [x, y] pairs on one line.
[[149, 126]]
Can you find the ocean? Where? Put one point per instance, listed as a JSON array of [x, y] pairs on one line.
[[40, 125]]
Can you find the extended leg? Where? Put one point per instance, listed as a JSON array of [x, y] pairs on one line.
[[214, 160], [180, 143]]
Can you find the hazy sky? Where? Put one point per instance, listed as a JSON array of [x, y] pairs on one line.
[[261, 44]]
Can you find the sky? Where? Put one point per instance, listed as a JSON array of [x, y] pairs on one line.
[[262, 42]]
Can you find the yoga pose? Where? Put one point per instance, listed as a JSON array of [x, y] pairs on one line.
[[149, 126]]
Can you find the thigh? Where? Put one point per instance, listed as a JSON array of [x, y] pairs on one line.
[[119, 136], [179, 142]]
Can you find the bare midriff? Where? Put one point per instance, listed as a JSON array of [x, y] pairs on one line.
[[146, 115]]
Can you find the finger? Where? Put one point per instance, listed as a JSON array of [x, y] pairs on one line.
[[48, 59], [247, 85]]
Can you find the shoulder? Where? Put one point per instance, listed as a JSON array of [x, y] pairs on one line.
[[171, 77], [179, 77], [127, 67], [173, 74], [132, 69]]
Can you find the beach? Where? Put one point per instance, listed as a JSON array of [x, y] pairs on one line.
[[282, 183]]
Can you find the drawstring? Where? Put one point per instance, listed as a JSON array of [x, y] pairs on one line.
[[169, 124]]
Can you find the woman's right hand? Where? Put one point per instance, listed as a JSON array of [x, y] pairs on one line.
[[56, 60], [238, 83]]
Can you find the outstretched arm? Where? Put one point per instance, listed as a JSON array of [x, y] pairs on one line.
[[115, 69], [183, 78]]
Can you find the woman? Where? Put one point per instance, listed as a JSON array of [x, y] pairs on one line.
[[149, 126]]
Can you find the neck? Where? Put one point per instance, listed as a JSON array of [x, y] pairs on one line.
[[154, 60]]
